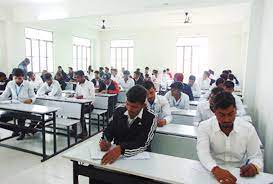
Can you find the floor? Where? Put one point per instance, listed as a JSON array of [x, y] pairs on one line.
[[19, 167]]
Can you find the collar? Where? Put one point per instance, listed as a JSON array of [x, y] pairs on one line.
[[82, 83], [22, 84], [138, 116], [216, 127]]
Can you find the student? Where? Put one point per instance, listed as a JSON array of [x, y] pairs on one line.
[[155, 79], [179, 77], [23, 66], [98, 83], [61, 77], [224, 76], [147, 78], [35, 81], [205, 108], [169, 73], [106, 70], [232, 78], [137, 78], [114, 75], [219, 83], [90, 73], [164, 81], [3, 81], [101, 71], [211, 76], [43, 73], [176, 98], [126, 82], [50, 87], [204, 82], [229, 87], [132, 128], [158, 104], [141, 74], [84, 90], [230, 141], [110, 86], [20, 91], [70, 75], [196, 91]]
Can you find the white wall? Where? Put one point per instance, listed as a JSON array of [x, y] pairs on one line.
[[156, 48], [259, 88]]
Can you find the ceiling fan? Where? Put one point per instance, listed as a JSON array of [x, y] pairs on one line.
[[187, 18]]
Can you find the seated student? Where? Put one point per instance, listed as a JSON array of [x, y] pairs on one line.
[[229, 87], [126, 82], [219, 83], [179, 77], [114, 75], [101, 71], [176, 98], [109, 86], [70, 75], [90, 73], [205, 108], [84, 90], [147, 78], [3, 81], [224, 76], [141, 74], [42, 76], [169, 73], [137, 78], [50, 87], [34, 80], [196, 91], [98, 83], [61, 77], [211, 76], [229, 141], [131, 130], [158, 104], [20, 91], [232, 77], [204, 82], [164, 81]]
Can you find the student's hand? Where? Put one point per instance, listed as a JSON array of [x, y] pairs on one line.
[[248, 170], [223, 176], [28, 101], [103, 91], [105, 145], [161, 123], [79, 97], [111, 156]]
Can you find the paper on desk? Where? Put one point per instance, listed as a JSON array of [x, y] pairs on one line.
[[5, 102]]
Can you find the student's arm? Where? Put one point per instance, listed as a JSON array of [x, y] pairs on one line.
[[91, 92], [41, 91], [55, 89], [31, 94], [166, 110], [6, 94], [141, 141]]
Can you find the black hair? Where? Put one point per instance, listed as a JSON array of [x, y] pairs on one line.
[[164, 71], [79, 73], [147, 68], [224, 76], [225, 72], [177, 85], [211, 71], [47, 76], [17, 72], [147, 75], [168, 69], [2, 74], [137, 73], [60, 67], [220, 81], [97, 72], [231, 77], [216, 91], [229, 84], [101, 68], [229, 71], [70, 68], [29, 74], [223, 100], [148, 85], [137, 94], [192, 77]]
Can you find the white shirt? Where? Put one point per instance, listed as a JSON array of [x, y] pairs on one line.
[[128, 84], [203, 111], [131, 121], [204, 84], [164, 82], [196, 90], [37, 83], [90, 76], [239, 105], [53, 90], [161, 108], [182, 103], [156, 82], [215, 148], [115, 78], [19, 93], [86, 89]]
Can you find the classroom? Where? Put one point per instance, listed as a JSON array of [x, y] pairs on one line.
[[136, 92]]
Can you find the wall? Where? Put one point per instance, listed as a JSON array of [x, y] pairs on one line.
[[156, 48], [260, 74]]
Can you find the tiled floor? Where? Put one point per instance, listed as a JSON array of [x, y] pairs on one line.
[[19, 167]]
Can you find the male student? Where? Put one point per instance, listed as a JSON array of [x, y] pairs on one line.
[[3, 81], [20, 91], [131, 130], [228, 141], [176, 98], [84, 90], [110, 86], [219, 83], [70, 74], [34, 80], [98, 83], [126, 82], [229, 87], [195, 88], [205, 108], [137, 78], [23, 66], [158, 104], [179, 77], [50, 87], [204, 82]]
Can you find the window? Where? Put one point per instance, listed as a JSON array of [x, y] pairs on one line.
[[39, 49], [81, 53], [122, 54], [192, 55]]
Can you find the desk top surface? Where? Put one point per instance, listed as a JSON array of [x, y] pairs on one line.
[[65, 99], [183, 112], [39, 109], [159, 167], [105, 95], [178, 130]]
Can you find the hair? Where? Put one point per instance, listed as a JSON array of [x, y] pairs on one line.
[[2, 74], [148, 85], [70, 68], [147, 75], [101, 68], [164, 71], [211, 71], [177, 85], [225, 72], [224, 76], [229, 84], [223, 100], [206, 73], [231, 77], [215, 91], [220, 81], [79, 73], [47, 76], [179, 77], [147, 68], [229, 71], [96, 72], [168, 69], [192, 77], [137, 73], [17, 72], [138, 69], [29, 74], [137, 94], [60, 67]]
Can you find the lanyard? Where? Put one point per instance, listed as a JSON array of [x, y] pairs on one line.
[[176, 103], [18, 92]]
